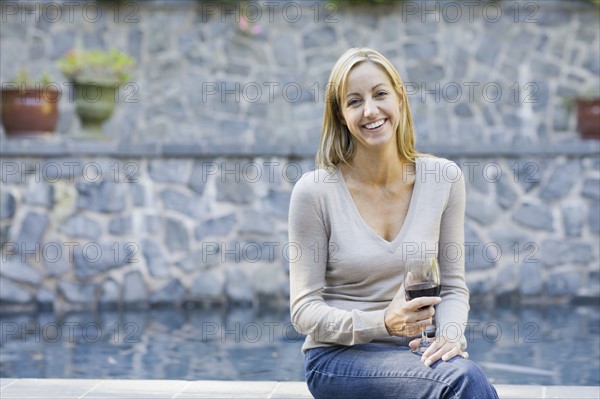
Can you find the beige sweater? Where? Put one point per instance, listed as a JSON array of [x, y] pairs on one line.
[[343, 274]]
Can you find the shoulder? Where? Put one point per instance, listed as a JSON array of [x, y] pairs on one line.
[[439, 170], [316, 182]]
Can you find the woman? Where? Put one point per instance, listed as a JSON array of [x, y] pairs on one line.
[[373, 202]]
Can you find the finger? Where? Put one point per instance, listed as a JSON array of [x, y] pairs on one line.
[[452, 353], [423, 302], [414, 344]]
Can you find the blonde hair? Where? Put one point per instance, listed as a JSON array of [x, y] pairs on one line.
[[336, 143]]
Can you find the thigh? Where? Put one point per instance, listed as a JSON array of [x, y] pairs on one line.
[[382, 371]]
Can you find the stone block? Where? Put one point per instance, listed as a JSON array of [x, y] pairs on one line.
[[554, 252], [78, 293], [172, 293], [209, 285], [563, 283], [11, 292], [594, 217], [561, 180], [56, 256], [105, 196], [507, 280], [179, 202], [488, 50], [134, 292], [170, 170], [482, 211], [591, 188], [320, 37], [285, 49], [424, 73], [41, 194], [156, 261], [535, 216], [120, 225], [506, 196], [278, 203], [560, 119], [7, 205], [138, 194], [110, 295], [81, 226], [573, 215], [528, 173], [238, 286], [421, 50], [45, 299], [94, 258], [151, 223], [531, 281], [255, 222], [592, 63], [176, 235], [18, 270], [463, 111], [479, 285], [237, 192], [32, 230], [201, 172], [474, 251], [266, 280]]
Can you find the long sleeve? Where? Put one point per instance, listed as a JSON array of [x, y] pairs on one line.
[[452, 312], [309, 236]]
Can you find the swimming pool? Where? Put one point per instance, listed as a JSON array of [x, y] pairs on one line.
[[548, 345]]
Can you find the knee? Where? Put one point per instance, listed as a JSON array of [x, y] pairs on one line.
[[471, 381]]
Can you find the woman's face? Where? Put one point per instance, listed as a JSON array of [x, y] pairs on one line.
[[370, 107]]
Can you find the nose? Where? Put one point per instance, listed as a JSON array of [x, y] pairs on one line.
[[370, 110]]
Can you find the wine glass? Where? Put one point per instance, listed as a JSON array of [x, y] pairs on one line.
[[422, 278]]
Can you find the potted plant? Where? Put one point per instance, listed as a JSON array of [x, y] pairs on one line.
[[588, 117], [96, 76], [29, 107]]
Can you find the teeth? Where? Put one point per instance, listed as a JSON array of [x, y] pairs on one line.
[[374, 125]]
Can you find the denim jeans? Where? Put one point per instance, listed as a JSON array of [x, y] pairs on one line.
[[391, 371]]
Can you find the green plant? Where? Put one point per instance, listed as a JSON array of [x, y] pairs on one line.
[[587, 95], [24, 80], [112, 65]]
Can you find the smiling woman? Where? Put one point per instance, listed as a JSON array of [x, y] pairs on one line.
[[374, 197]]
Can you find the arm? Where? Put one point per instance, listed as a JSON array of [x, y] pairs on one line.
[[451, 314], [309, 312]]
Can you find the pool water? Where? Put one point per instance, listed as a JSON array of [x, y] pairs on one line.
[[550, 345]]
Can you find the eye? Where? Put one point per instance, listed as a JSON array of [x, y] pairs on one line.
[[381, 93], [352, 102]]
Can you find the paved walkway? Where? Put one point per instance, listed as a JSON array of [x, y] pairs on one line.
[[163, 389]]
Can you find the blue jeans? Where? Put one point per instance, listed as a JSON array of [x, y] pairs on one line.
[[391, 371]]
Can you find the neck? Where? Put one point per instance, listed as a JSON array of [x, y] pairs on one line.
[[378, 168]]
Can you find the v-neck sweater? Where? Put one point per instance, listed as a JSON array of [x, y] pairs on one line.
[[343, 274]]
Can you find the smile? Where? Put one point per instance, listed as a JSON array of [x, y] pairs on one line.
[[375, 125]]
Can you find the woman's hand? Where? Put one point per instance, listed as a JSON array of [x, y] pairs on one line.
[[408, 318], [440, 348]]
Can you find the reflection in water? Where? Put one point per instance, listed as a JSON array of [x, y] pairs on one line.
[[549, 345]]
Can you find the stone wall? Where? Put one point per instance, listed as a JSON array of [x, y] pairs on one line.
[[187, 199]]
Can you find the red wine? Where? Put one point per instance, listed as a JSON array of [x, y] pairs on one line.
[[422, 289]]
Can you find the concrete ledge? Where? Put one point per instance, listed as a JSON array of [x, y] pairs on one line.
[[162, 389], [58, 146]]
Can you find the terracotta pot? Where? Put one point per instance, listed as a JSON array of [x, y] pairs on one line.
[[588, 118], [29, 112]]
